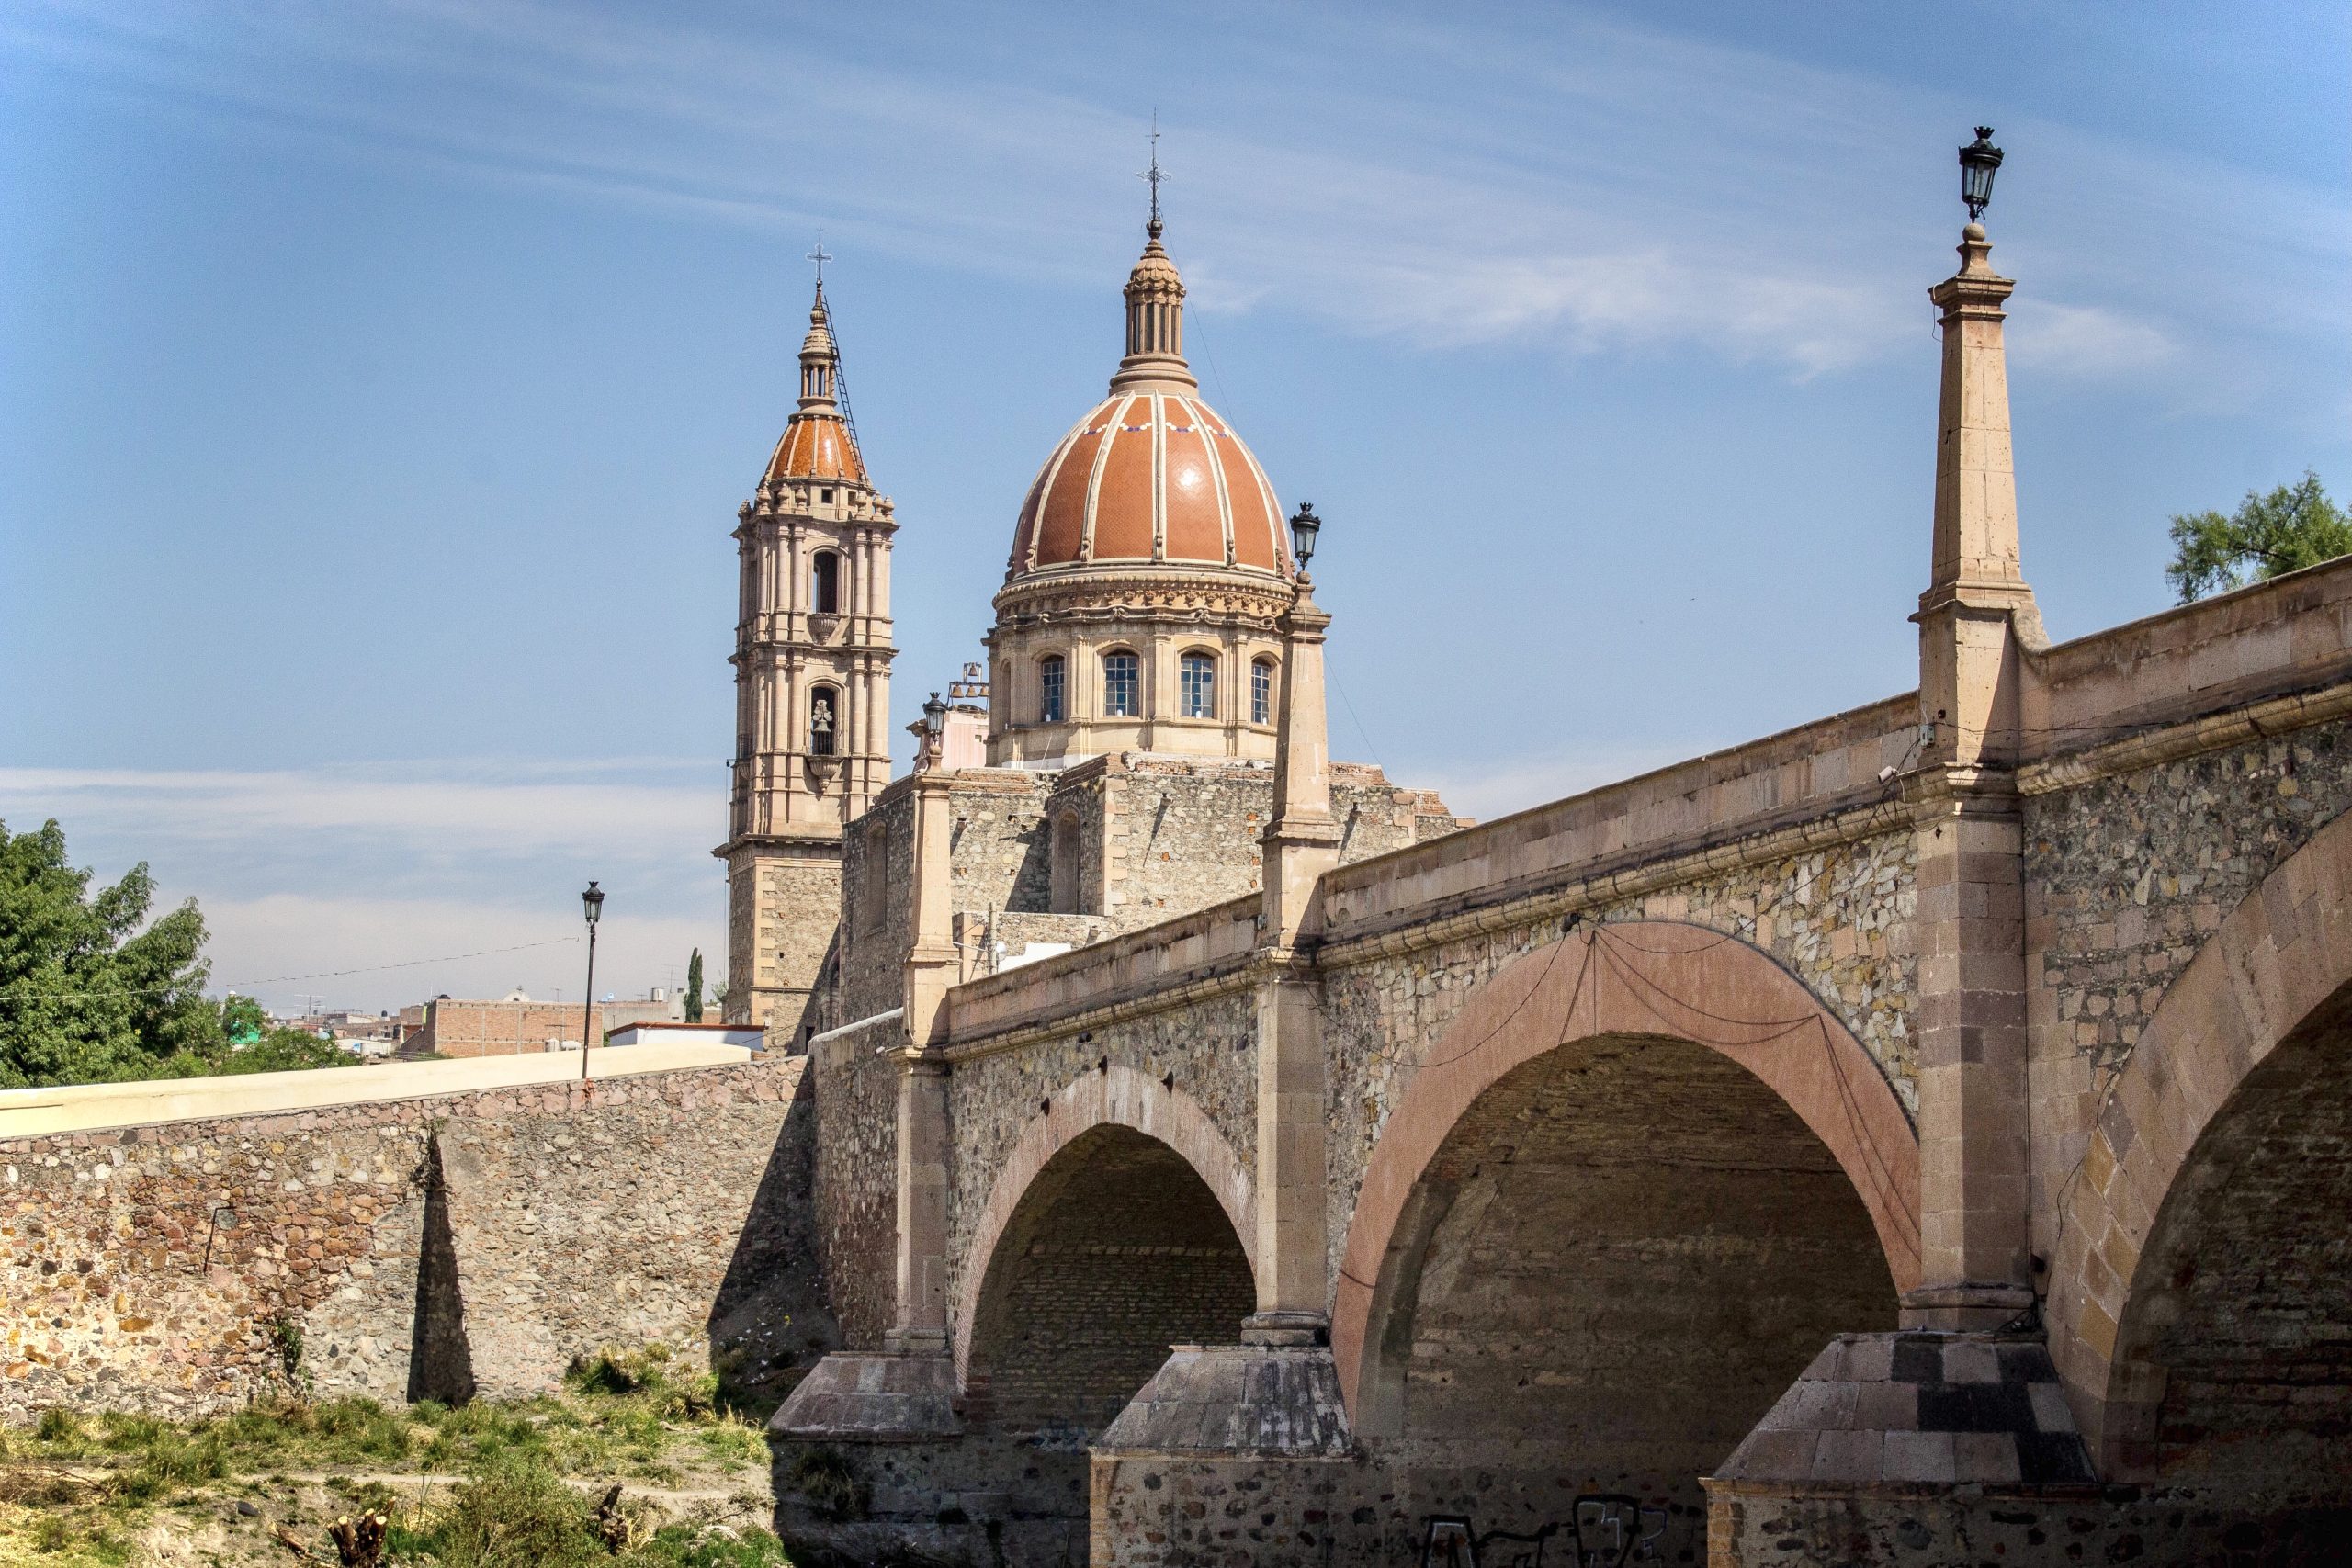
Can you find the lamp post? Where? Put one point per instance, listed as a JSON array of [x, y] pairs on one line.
[[1977, 162], [592, 904], [934, 731], [1305, 525]]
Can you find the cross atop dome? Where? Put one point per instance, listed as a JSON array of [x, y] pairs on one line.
[[1151, 228]]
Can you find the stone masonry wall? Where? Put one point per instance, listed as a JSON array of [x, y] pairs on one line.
[[782, 904], [1208, 1050], [857, 1194], [2125, 877], [1167, 837], [161, 1267], [1837, 918]]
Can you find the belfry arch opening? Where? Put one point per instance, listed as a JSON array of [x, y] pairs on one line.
[[824, 721], [1117, 1251], [825, 580], [2233, 1358], [1624, 1251]]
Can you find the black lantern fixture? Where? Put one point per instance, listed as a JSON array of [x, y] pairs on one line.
[[934, 728], [1304, 527], [1977, 162], [591, 905]]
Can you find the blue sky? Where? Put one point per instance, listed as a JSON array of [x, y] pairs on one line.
[[380, 381]]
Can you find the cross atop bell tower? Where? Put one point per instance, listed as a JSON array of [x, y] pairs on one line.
[[812, 686]]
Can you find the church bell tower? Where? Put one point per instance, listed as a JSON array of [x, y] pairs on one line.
[[812, 691]]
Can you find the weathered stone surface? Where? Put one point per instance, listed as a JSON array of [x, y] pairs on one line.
[[1977, 1409], [883, 1398], [1234, 1401], [171, 1268]]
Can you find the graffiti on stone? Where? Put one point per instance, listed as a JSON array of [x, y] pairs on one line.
[[1605, 1529]]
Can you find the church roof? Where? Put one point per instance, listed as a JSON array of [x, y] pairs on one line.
[[1152, 473], [817, 444]]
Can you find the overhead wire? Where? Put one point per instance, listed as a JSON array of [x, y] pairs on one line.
[[288, 979]]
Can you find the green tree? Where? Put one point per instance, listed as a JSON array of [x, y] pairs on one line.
[[86, 996], [2294, 527], [92, 992], [693, 987], [278, 1050]]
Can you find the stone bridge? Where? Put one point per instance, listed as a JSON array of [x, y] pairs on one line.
[[1917, 1137]]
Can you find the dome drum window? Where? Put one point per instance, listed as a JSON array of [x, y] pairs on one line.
[[1262, 692], [1052, 689], [1196, 686], [1121, 686]]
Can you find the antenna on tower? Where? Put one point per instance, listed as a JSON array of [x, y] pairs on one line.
[[1154, 177]]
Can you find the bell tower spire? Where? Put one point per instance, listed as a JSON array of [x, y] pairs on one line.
[[812, 687]]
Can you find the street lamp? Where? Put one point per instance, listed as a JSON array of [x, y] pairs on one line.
[[592, 904], [934, 729], [1977, 162], [1304, 527]]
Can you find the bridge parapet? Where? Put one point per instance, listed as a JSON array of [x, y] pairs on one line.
[[1193, 954], [1680, 819], [2293, 633]]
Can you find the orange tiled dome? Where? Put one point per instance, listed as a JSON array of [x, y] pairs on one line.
[[817, 443], [1151, 475], [817, 446]]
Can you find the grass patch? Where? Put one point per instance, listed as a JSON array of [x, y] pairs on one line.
[[641, 1417], [515, 1514]]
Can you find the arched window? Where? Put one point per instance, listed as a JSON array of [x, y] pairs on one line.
[[825, 583], [1196, 686], [1122, 686], [824, 721], [1262, 691], [1062, 889], [1051, 688]]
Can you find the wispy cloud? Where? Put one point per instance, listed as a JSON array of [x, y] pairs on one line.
[[467, 809], [2088, 340], [343, 880], [1612, 194]]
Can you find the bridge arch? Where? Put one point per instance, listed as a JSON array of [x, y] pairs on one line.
[[2200, 1300], [1635, 1187], [1119, 1126]]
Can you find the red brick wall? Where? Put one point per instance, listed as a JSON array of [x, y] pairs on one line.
[[502, 1029]]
